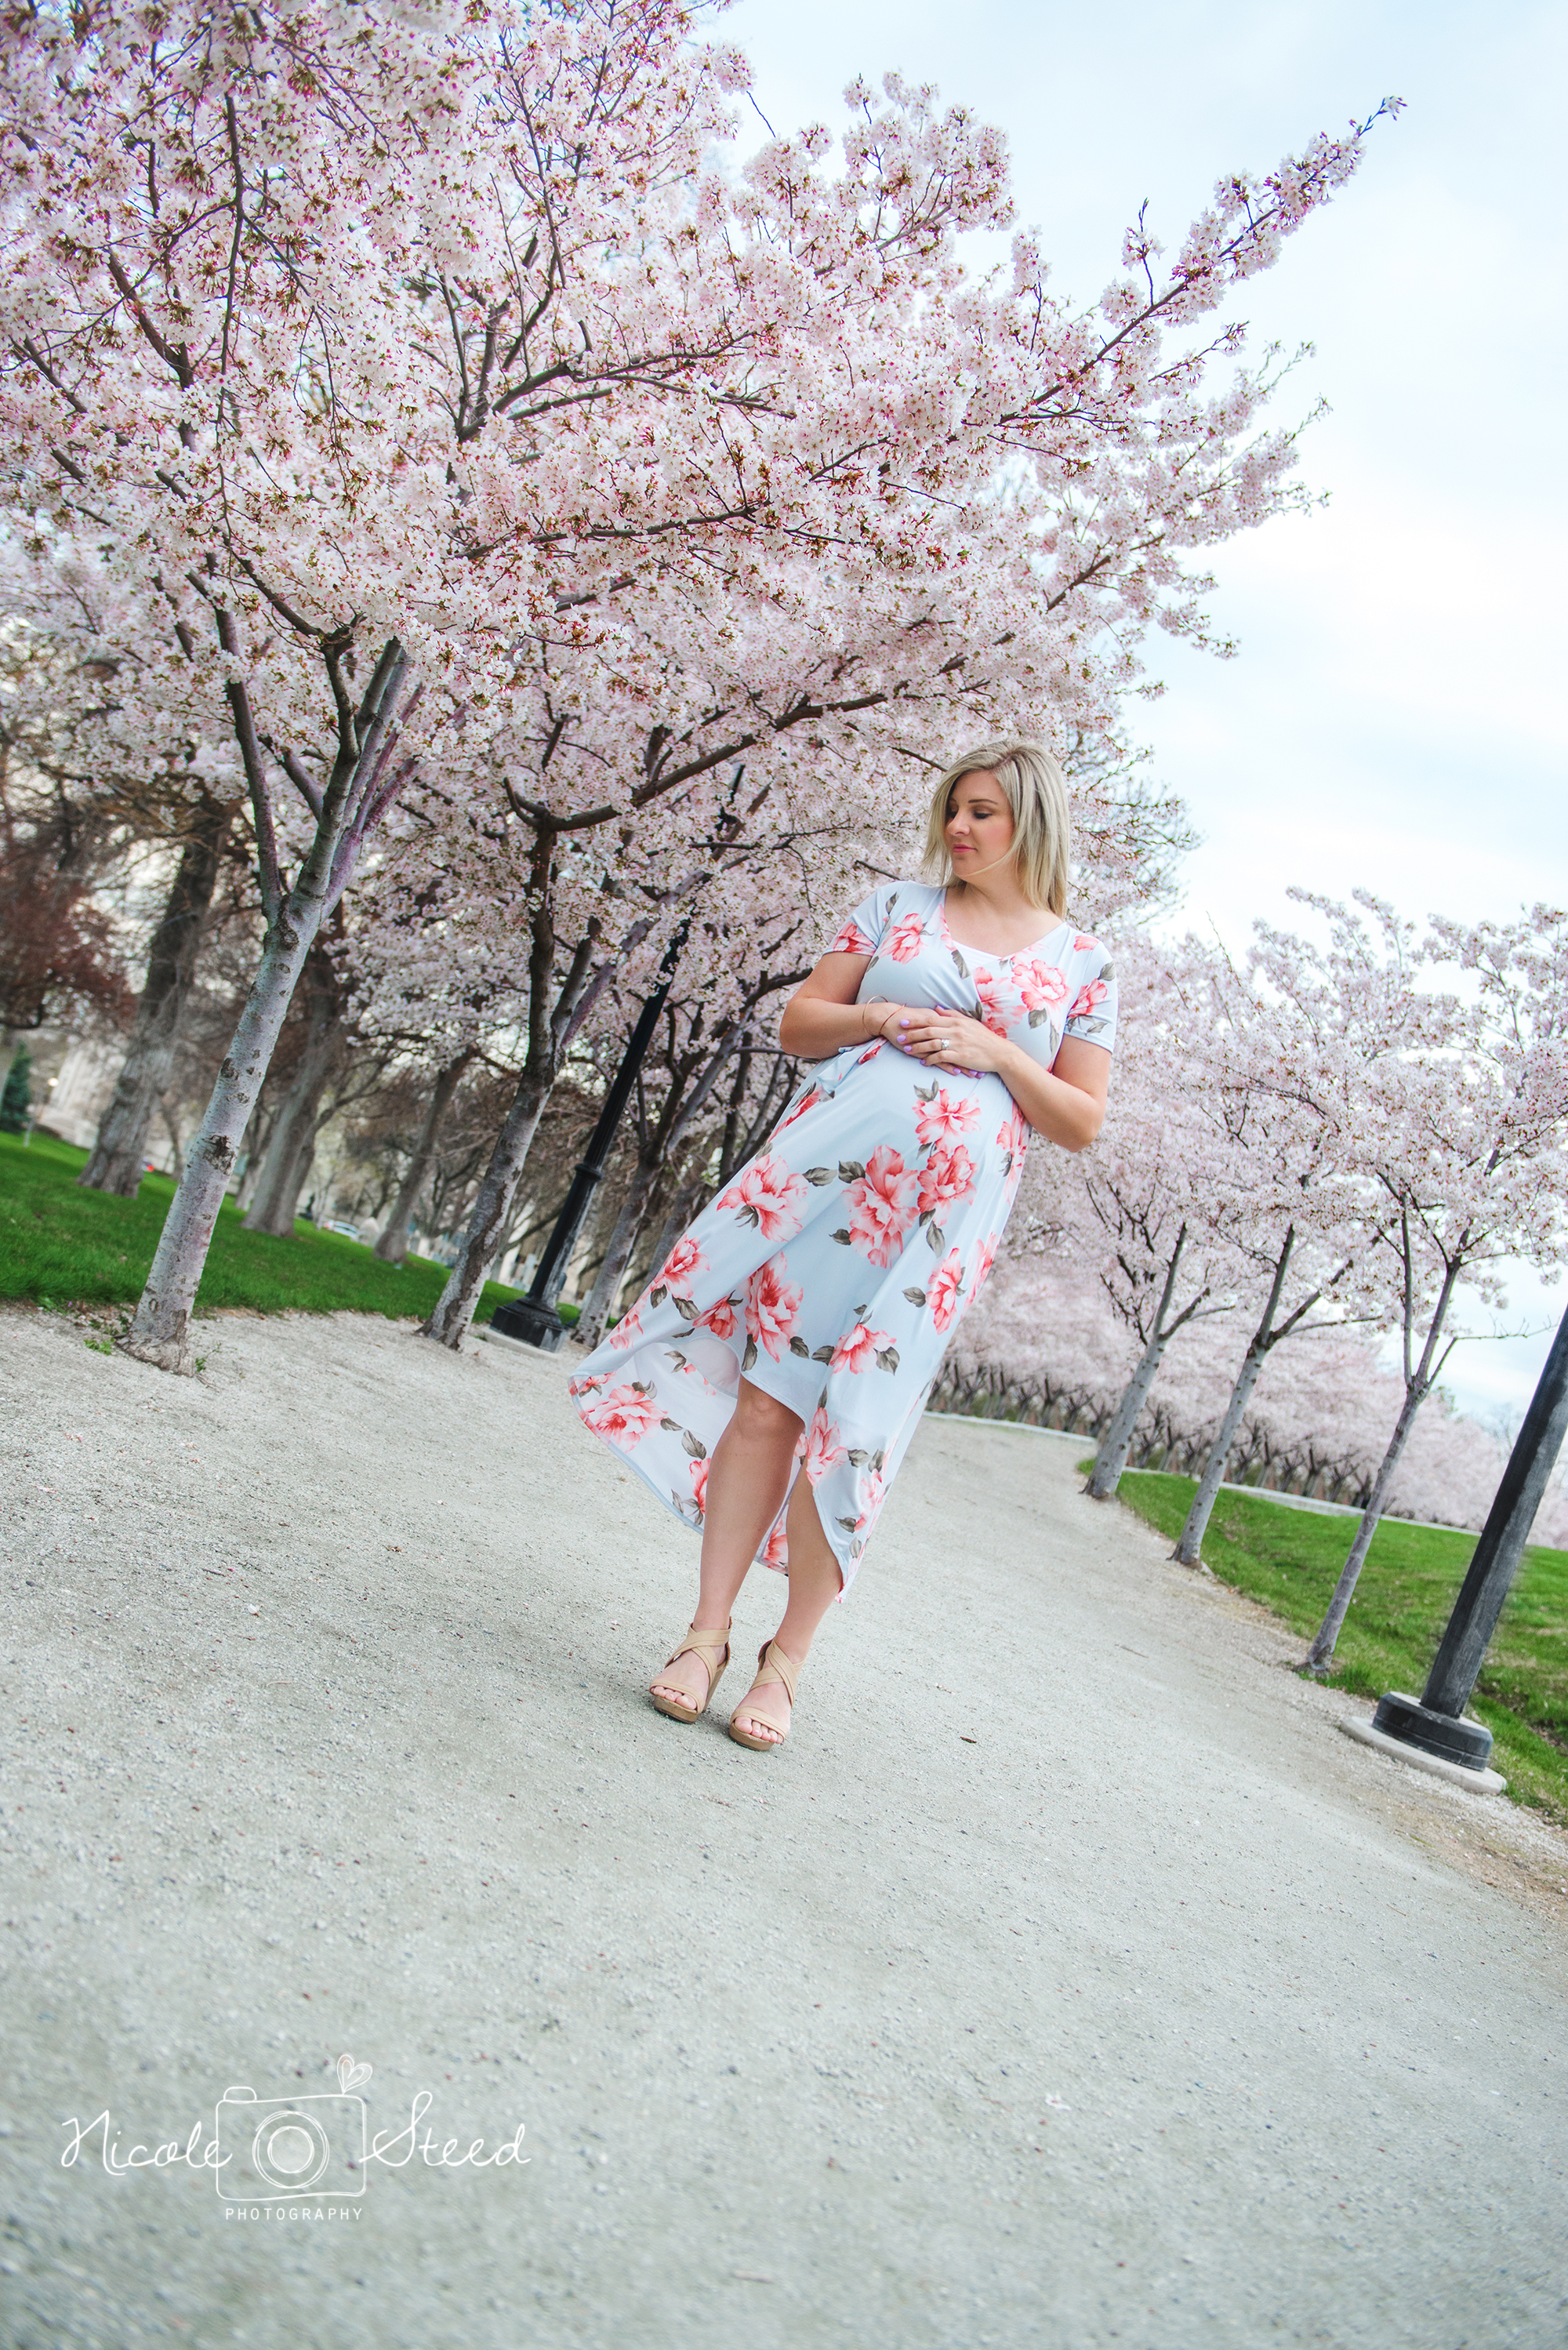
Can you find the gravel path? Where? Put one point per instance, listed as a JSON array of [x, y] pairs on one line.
[[1067, 1980]]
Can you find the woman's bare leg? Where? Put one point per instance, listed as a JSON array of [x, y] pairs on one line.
[[747, 1479], [814, 1584]]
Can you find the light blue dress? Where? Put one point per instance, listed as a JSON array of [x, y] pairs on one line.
[[832, 1270]]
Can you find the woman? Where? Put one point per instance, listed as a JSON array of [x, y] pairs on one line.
[[805, 1315]]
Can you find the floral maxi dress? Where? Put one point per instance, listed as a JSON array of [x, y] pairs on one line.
[[832, 1270]]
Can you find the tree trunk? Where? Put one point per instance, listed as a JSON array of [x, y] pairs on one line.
[[487, 1226], [292, 1144], [160, 1332], [119, 1154], [1112, 1456], [393, 1245], [1418, 1386], [355, 796], [1189, 1550], [1321, 1653], [1116, 1443], [1190, 1547], [598, 1307]]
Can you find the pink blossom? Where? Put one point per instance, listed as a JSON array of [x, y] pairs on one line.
[[943, 1296], [947, 1176], [773, 1305], [771, 1197], [723, 1318], [622, 1415], [700, 1485], [1084, 944], [881, 1206], [1040, 983], [776, 1551], [1086, 998], [944, 1120], [903, 942], [856, 1350], [824, 1451], [683, 1265]]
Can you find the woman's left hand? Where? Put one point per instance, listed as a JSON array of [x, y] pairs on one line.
[[950, 1040]]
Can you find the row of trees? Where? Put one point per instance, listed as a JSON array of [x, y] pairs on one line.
[[1315, 1427], [1344, 1133], [440, 480]]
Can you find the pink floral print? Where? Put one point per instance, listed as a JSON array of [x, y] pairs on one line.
[[772, 1306], [982, 1265], [622, 1415], [944, 1120], [947, 1287], [994, 1008], [832, 1270], [771, 1197], [881, 1205], [808, 1100], [824, 1447], [682, 1266], [1041, 985], [722, 1317], [858, 1350], [949, 1175], [851, 940]]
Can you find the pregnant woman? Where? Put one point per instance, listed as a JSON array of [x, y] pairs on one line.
[[801, 1322]]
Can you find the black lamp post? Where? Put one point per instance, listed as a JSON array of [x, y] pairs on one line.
[[1435, 1726], [534, 1319]]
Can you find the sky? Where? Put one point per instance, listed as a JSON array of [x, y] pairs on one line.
[[1389, 721]]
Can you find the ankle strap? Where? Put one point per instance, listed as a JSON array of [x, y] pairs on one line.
[[704, 1642], [772, 1659]]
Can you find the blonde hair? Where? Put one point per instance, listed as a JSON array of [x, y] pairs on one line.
[[1036, 792]]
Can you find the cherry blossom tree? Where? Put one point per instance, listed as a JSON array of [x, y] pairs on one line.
[[349, 345], [1465, 1139], [1284, 1049], [1148, 1205], [239, 247]]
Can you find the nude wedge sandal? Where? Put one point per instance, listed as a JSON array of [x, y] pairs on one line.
[[772, 1665], [714, 1648]]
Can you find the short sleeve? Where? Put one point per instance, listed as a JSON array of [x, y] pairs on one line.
[[1093, 1012], [861, 932]]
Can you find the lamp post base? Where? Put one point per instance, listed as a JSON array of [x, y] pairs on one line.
[[1409, 1733], [537, 1325], [1449, 1736]]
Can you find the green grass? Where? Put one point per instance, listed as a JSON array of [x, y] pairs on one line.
[[1291, 1560], [64, 1246]]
